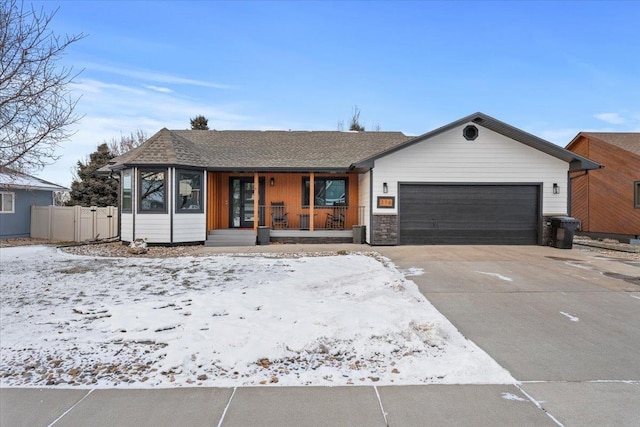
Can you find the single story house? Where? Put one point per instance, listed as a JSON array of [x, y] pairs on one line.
[[607, 201], [474, 181], [18, 192]]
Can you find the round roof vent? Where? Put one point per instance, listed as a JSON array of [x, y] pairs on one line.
[[470, 132]]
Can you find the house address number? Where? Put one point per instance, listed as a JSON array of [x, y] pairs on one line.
[[386, 202]]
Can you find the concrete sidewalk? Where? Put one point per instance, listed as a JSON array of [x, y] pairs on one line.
[[563, 322], [453, 405]]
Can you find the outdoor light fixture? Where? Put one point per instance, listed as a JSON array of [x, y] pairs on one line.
[[272, 181], [556, 189], [385, 188]]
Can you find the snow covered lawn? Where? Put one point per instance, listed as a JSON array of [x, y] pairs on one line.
[[223, 321]]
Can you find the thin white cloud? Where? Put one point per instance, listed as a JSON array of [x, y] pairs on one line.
[[110, 110], [613, 118], [89, 86], [154, 76], [159, 88]]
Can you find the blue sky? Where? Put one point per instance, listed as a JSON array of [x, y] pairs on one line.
[[550, 68]]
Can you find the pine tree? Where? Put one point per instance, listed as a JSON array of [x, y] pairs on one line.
[[199, 123], [89, 189]]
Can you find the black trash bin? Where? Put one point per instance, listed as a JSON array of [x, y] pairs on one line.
[[562, 230], [359, 234], [264, 235]]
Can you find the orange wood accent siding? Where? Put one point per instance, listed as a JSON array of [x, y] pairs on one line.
[[580, 199], [580, 187], [287, 188], [609, 198], [312, 200]]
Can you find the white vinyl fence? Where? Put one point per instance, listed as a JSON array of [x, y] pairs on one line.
[[73, 223]]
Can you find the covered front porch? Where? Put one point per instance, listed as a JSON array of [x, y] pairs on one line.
[[295, 206]]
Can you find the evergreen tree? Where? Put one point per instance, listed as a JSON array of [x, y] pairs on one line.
[[199, 123], [89, 189]]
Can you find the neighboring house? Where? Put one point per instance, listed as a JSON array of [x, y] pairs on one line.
[[18, 192], [607, 201], [474, 181]]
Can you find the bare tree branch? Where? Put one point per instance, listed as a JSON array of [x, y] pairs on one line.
[[355, 120], [126, 142], [36, 107]]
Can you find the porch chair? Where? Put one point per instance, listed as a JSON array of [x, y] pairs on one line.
[[335, 220], [279, 217]]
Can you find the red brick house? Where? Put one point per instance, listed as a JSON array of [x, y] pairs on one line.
[[607, 200]]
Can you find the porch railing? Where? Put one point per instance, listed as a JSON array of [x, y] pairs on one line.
[[299, 217]]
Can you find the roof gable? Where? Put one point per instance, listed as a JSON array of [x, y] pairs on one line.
[[576, 161], [628, 141]]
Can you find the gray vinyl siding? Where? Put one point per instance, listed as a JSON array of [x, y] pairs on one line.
[[18, 224]]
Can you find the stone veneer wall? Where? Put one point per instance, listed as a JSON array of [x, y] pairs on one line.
[[546, 230], [384, 230]]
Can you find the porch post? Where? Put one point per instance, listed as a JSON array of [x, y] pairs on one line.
[[312, 199], [256, 201]]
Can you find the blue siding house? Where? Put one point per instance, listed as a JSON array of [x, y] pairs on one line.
[[18, 192]]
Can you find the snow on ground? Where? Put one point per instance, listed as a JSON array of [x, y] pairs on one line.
[[71, 320]]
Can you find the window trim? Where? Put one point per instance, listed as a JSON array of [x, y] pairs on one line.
[[324, 178], [13, 202], [140, 209], [636, 194], [177, 192], [130, 208]]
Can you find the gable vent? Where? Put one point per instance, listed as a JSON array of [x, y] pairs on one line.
[[470, 133]]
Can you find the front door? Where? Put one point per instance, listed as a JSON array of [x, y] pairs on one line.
[[242, 202]]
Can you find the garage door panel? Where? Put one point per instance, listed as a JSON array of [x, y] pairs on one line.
[[469, 237], [468, 214]]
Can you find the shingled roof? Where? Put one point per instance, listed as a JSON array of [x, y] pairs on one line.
[[629, 141], [259, 150], [11, 179]]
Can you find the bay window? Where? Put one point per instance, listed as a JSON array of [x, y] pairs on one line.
[[189, 192], [126, 191], [152, 191]]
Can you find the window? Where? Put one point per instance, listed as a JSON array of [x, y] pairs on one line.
[[152, 191], [189, 192], [636, 192], [7, 203], [328, 191], [126, 191]]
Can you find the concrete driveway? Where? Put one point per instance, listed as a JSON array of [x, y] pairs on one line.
[[565, 323]]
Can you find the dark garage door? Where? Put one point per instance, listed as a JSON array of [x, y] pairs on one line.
[[434, 214]]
